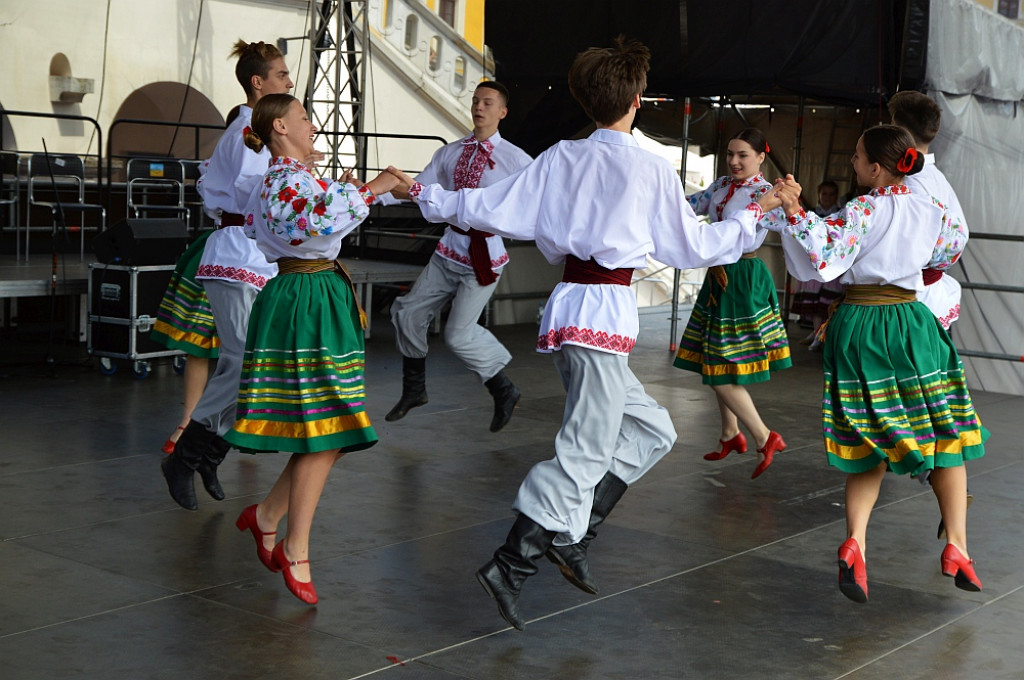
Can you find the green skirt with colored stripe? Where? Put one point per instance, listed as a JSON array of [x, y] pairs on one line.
[[735, 334], [895, 392], [302, 386], [185, 321]]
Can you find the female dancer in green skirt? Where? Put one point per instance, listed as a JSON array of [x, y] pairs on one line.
[[735, 335], [895, 396], [302, 386]]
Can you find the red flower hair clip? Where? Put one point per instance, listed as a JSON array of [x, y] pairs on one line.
[[906, 164], [767, 149]]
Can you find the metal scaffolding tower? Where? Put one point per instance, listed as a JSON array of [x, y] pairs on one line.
[[339, 35]]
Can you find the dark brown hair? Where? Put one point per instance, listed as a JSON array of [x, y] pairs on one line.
[[754, 138], [253, 60], [604, 80], [269, 108], [892, 147], [916, 112], [496, 86]]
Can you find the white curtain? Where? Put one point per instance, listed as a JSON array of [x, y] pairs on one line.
[[980, 149]]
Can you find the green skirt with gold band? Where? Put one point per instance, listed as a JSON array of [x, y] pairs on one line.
[[184, 320], [895, 392], [735, 333], [302, 388]]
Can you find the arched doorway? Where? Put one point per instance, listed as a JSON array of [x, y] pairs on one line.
[[165, 102]]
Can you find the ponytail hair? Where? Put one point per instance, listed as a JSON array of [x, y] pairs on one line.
[[753, 137], [269, 108], [892, 147], [253, 60]]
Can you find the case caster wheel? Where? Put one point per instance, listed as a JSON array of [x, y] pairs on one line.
[[178, 364], [107, 366], [140, 369]]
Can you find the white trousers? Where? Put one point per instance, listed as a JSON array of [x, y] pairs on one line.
[[231, 304], [440, 281], [610, 425]]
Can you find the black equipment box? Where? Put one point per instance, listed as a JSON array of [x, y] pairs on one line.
[[123, 304]]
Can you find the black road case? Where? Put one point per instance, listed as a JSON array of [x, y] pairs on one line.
[[123, 304]]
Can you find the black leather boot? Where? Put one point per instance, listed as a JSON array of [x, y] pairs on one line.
[[179, 468], [213, 455], [572, 559], [513, 562], [506, 396], [414, 388]]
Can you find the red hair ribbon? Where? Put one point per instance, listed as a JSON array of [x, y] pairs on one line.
[[767, 149], [906, 164]]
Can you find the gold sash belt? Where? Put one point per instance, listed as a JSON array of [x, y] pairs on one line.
[[877, 295], [298, 265]]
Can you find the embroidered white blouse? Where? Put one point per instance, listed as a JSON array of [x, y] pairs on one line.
[[723, 197], [228, 184], [301, 216], [603, 198], [884, 237]]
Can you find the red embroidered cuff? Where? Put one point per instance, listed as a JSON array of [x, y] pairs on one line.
[[758, 212], [415, 190], [796, 217], [366, 194]]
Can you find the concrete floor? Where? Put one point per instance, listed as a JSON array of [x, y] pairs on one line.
[[704, 572]]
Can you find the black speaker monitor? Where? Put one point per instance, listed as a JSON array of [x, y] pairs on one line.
[[139, 242]]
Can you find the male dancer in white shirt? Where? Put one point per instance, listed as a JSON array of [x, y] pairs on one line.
[[464, 268], [232, 271], [921, 116], [599, 205]]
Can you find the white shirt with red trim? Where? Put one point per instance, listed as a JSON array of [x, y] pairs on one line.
[[229, 184], [508, 160], [603, 198]]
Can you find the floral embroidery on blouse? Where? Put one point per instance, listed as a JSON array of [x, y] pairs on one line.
[[843, 231], [298, 206], [951, 243], [703, 202]]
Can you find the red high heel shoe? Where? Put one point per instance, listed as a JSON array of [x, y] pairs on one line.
[[168, 446], [853, 573], [247, 520], [304, 591], [737, 444], [960, 568], [773, 444]]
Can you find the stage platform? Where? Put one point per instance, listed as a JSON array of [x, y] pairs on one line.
[[704, 573], [39, 277]]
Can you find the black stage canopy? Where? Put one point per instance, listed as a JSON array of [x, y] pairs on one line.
[[852, 53]]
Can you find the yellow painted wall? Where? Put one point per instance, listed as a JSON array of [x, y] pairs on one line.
[[474, 23]]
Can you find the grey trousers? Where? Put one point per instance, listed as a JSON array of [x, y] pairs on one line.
[[610, 425], [231, 304], [440, 281]]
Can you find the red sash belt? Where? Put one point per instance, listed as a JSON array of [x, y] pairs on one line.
[[589, 271], [231, 220], [931, 276], [479, 255]]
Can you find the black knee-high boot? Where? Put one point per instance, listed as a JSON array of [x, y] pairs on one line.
[[179, 468], [213, 455], [513, 562], [414, 388], [572, 559], [506, 396]]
